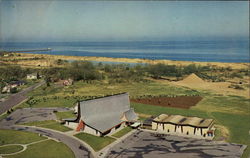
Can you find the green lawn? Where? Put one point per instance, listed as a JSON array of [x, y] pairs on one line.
[[226, 104], [48, 149], [45, 91], [10, 149], [122, 132], [239, 127], [61, 102], [99, 89], [134, 88], [51, 124], [18, 137], [97, 143], [64, 115], [157, 110]]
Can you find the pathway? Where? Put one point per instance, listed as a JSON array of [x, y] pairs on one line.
[[23, 145]]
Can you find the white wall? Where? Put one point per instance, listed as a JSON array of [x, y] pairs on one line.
[[91, 131], [71, 125]]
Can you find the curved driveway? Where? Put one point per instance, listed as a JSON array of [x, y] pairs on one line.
[[36, 114], [72, 143]]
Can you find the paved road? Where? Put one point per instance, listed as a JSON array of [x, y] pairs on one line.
[[39, 114], [17, 98]]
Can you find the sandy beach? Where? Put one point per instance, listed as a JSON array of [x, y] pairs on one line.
[[48, 60]]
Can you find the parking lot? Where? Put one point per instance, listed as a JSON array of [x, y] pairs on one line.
[[148, 145]]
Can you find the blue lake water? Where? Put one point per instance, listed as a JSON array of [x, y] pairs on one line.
[[193, 50]]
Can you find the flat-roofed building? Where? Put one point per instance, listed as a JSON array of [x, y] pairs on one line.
[[181, 125]]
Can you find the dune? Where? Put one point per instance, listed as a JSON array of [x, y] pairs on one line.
[[192, 79], [194, 82]]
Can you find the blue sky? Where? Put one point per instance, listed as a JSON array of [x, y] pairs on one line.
[[102, 20]]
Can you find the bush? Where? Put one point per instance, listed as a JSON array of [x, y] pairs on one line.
[[235, 86], [13, 90]]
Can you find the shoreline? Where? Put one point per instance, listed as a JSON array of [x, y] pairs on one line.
[[131, 60]]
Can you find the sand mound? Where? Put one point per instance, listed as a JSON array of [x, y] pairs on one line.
[[193, 78], [194, 82]]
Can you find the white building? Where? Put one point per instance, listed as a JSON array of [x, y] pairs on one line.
[[32, 76], [186, 126]]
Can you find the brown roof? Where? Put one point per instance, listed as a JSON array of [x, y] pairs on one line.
[[183, 120]]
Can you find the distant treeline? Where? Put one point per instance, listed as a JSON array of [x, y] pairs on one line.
[[117, 73], [84, 70], [11, 73]]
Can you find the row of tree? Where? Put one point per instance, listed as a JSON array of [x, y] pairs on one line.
[[83, 70]]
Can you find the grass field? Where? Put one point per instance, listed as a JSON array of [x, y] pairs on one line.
[[21, 137], [64, 115], [239, 127], [51, 124], [48, 149], [98, 89], [10, 149], [62, 102], [97, 143], [157, 110], [51, 148], [227, 104], [122, 132]]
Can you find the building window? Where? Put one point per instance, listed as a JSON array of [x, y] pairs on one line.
[[187, 132]]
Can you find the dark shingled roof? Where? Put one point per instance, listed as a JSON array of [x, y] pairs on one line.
[[105, 113]]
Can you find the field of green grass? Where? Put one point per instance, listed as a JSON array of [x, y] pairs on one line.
[[21, 137], [49, 148], [55, 96], [62, 102], [10, 149], [239, 127], [97, 143], [64, 115], [227, 104], [122, 132], [51, 124]]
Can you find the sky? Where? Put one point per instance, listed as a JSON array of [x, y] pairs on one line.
[[28, 21]]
